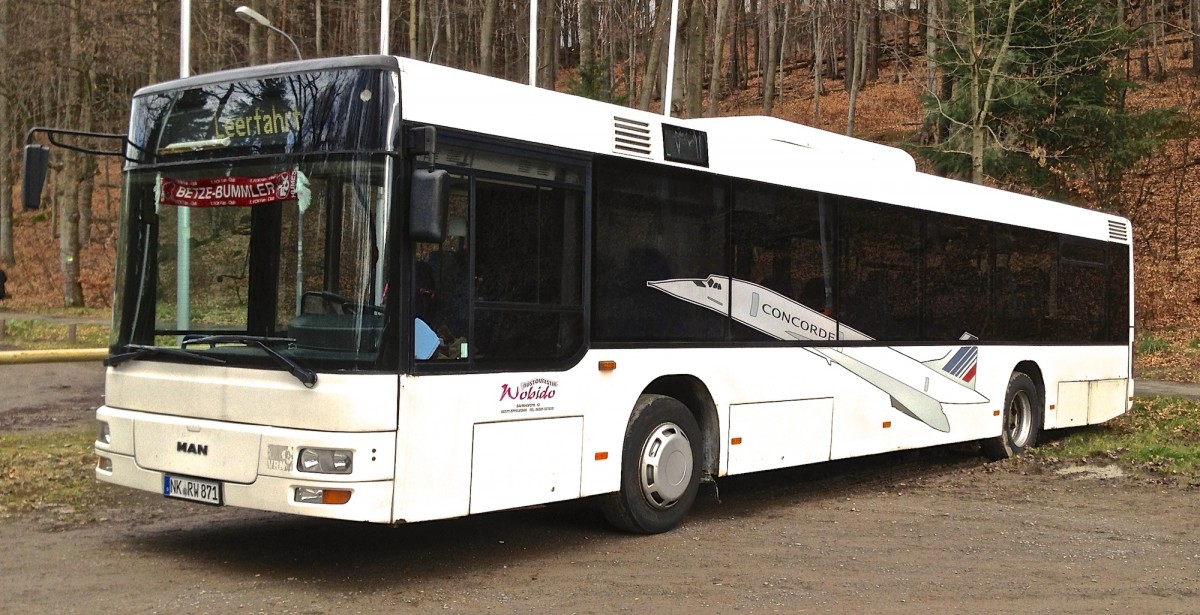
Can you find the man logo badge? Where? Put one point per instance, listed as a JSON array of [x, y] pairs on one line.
[[190, 448]]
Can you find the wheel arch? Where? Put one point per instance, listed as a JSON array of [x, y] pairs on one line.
[[693, 393]]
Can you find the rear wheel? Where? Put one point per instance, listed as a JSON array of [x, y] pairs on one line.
[[659, 477], [1022, 420]]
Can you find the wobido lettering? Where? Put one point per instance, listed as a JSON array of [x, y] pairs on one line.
[[538, 391]]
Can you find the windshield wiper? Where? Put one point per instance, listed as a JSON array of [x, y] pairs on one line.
[[306, 376], [138, 351]]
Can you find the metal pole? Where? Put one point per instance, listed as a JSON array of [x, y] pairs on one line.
[[185, 37], [670, 84], [385, 10], [183, 246], [533, 10]]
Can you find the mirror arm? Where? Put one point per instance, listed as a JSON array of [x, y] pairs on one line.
[[54, 135]]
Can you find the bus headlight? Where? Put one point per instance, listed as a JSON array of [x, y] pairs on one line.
[[325, 461], [103, 432]]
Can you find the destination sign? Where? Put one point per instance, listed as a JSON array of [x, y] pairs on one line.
[[331, 110]]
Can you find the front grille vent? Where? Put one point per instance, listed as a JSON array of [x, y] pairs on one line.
[[631, 137]]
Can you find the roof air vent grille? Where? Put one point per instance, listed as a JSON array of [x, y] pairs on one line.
[[1118, 230], [631, 137]]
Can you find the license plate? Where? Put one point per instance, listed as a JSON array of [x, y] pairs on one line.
[[193, 489]]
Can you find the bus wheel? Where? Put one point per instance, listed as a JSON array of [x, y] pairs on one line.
[[659, 477], [1022, 420]]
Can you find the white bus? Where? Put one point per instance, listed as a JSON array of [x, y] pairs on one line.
[[381, 290]]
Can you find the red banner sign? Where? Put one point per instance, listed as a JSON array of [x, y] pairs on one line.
[[228, 191]]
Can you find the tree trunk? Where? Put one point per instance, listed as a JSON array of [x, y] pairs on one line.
[[982, 89], [413, 51], [931, 67], [720, 29], [487, 27], [854, 69], [587, 33], [548, 41], [255, 45], [768, 75], [7, 146], [362, 40], [871, 61], [68, 213], [736, 55], [818, 49], [654, 56], [1194, 14], [694, 90], [849, 44], [85, 172]]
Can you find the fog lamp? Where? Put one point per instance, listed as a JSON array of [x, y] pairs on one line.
[[313, 495], [104, 464], [325, 461]]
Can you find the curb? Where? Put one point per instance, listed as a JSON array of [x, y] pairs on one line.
[[52, 356]]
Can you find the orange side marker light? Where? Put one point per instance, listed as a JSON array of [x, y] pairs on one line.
[[335, 496]]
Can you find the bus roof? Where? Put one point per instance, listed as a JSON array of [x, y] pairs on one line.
[[757, 148]]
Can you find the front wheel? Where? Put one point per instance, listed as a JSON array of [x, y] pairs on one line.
[[659, 477], [1022, 420]]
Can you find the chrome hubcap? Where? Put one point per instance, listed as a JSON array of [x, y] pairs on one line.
[[1019, 419], [666, 466]]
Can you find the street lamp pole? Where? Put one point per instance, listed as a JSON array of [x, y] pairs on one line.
[[252, 16]]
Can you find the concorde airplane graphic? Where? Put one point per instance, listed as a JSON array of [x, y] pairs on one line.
[[917, 388]]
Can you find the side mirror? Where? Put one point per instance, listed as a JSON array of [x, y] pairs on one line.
[[429, 205], [33, 177]]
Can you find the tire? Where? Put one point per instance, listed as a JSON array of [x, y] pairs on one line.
[[659, 468], [1022, 420]]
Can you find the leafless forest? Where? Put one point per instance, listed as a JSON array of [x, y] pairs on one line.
[[863, 67]]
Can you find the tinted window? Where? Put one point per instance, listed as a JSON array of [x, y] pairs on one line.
[[656, 224], [780, 245], [506, 285], [1078, 304], [958, 273], [1024, 264], [879, 291], [1118, 293]]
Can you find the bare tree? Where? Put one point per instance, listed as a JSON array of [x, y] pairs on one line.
[[654, 62], [855, 63], [8, 144], [68, 205], [487, 26], [694, 84], [548, 41], [1194, 15], [720, 32], [771, 30], [818, 21], [587, 32]]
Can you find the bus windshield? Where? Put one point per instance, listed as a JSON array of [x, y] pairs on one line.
[[241, 260]]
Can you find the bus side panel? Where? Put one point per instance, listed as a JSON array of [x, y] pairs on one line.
[[770, 435], [544, 453], [902, 398], [469, 443], [1084, 384]]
